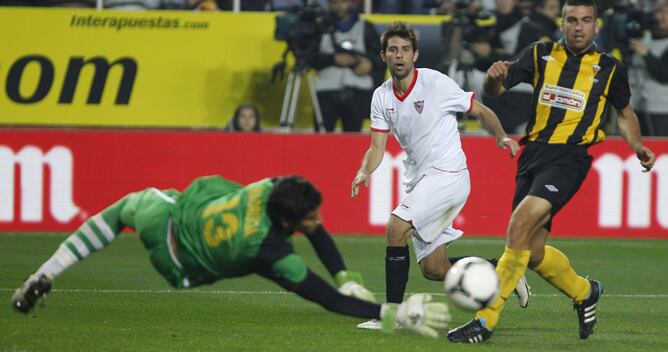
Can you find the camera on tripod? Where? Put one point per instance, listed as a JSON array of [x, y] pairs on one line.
[[301, 28], [626, 22]]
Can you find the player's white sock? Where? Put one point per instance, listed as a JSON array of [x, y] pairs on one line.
[[62, 259], [92, 236]]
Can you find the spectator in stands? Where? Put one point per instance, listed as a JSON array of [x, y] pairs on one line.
[[400, 6], [648, 76], [513, 32], [545, 19], [246, 119], [246, 5], [348, 68]]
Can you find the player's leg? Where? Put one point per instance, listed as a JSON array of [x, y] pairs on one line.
[[397, 264], [433, 206], [555, 267], [530, 214], [397, 258], [94, 234]]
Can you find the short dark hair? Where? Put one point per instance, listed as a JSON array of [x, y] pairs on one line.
[[401, 30], [591, 3], [291, 199]]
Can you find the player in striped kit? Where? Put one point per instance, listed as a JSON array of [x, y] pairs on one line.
[[419, 107], [217, 229]]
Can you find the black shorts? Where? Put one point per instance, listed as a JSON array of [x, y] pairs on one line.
[[551, 171]]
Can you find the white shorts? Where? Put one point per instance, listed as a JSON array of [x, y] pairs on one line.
[[431, 207]]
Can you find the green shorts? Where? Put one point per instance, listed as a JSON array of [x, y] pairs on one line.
[[152, 210]]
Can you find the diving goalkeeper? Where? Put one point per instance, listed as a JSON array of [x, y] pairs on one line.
[[218, 229]]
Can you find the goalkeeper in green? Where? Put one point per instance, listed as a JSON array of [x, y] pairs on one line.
[[218, 229]]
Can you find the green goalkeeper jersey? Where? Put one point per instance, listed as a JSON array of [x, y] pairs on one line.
[[220, 227]]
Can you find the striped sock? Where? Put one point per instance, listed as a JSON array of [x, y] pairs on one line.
[[92, 236]]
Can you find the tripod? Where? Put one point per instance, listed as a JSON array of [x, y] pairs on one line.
[[291, 99]]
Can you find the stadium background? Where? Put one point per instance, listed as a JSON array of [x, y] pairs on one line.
[[64, 155], [166, 87]]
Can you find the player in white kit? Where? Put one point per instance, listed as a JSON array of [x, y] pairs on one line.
[[419, 107]]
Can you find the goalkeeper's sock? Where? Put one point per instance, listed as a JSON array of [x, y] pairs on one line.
[[95, 234], [397, 263], [557, 270], [510, 269]]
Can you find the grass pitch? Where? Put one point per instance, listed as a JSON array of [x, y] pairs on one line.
[[115, 301]]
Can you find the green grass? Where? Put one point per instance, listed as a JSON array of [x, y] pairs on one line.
[[115, 301]]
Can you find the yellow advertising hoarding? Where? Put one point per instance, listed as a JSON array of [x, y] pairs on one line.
[[155, 68]]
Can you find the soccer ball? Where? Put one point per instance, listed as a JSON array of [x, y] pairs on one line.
[[472, 283]]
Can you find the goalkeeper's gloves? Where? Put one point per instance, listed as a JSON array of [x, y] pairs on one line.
[[418, 313], [350, 284]]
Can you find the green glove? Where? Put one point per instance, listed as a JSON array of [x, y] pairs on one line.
[[418, 313], [344, 276], [350, 284]]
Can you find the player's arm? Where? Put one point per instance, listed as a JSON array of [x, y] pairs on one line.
[[490, 122], [417, 313], [503, 75], [277, 261], [326, 249], [348, 282], [629, 128], [493, 85], [372, 158]]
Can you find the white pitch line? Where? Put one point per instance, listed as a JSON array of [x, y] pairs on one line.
[[244, 292]]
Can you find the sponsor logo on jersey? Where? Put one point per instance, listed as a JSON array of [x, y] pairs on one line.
[[419, 105], [563, 98]]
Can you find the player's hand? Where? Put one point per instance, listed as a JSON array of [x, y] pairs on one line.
[[344, 276], [351, 283], [418, 313], [360, 178], [353, 289], [505, 143], [498, 70], [646, 157]]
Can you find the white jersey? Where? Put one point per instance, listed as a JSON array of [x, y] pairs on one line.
[[424, 122]]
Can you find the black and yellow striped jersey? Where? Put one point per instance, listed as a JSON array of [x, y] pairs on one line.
[[570, 92]]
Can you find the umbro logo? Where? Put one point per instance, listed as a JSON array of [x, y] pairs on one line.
[[552, 188], [548, 58]]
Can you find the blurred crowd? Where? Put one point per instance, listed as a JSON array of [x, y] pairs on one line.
[[474, 34]]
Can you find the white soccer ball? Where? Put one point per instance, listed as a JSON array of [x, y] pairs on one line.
[[472, 283]]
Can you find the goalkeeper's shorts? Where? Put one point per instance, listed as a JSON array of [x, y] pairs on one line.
[[153, 224]]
